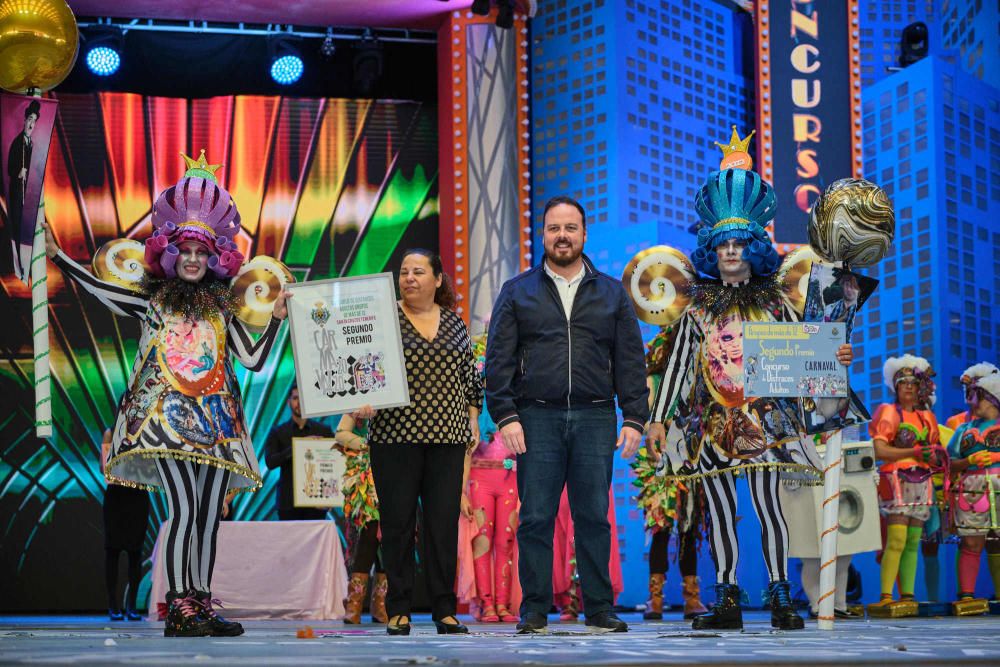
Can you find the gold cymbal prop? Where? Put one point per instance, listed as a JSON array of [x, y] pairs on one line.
[[657, 280], [257, 287], [121, 262], [794, 274]]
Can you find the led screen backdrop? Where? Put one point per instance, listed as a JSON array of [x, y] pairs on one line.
[[331, 187]]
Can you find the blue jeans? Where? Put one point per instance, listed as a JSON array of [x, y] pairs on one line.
[[571, 447]]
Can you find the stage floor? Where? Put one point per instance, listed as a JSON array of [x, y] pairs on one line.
[[95, 640]]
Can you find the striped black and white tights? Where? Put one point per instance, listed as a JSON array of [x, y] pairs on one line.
[[195, 495], [720, 492]]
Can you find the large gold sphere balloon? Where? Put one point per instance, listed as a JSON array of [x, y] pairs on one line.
[[852, 222], [657, 281], [38, 44]]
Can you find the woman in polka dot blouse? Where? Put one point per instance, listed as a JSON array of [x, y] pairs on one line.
[[418, 451]]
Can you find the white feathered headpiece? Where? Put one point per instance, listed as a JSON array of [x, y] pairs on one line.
[[908, 365], [982, 369], [991, 385], [896, 368]]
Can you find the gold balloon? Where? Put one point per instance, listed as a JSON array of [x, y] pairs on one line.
[[38, 44], [852, 222], [794, 273], [256, 287], [121, 262], [657, 281]]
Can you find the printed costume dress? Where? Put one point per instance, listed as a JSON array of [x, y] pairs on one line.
[[183, 400], [714, 429], [905, 486], [972, 504]]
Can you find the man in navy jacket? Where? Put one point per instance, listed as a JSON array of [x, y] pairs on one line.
[[563, 343]]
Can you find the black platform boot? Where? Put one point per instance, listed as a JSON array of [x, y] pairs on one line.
[[726, 614], [183, 617], [783, 614], [220, 627]]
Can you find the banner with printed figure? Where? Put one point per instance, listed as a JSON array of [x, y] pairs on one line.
[[25, 129]]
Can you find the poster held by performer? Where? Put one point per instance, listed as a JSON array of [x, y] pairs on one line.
[[347, 346]]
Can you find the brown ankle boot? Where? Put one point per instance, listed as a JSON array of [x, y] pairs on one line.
[[379, 588], [355, 597], [692, 597], [654, 607]]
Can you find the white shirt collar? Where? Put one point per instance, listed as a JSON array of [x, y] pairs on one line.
[[555, 276]]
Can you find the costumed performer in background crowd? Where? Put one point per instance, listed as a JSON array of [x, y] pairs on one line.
[[126, 517], [180, 424], [491, 502], [975, 456], [362, 517], [907, 441], [666, 504]]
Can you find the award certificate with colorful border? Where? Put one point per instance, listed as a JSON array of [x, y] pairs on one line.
[[347, 346], [793, 359]]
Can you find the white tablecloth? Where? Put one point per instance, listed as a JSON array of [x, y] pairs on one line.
[[271, 569]]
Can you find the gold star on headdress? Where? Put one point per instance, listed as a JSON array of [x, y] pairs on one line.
[[200, 167]]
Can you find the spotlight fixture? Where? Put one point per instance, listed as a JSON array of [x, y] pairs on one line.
[[505, 14], [328, 48], [104, 47], [103, 60], [481, 7], [367, 63], [286, 63], [913, 44]]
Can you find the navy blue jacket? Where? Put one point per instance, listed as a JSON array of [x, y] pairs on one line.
[[534, 356]]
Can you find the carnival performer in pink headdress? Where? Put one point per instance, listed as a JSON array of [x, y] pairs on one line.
[[180, 424]]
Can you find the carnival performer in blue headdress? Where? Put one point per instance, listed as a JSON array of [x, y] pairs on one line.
[[715, 433]]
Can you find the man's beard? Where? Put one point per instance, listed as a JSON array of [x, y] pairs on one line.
[[564, 260]]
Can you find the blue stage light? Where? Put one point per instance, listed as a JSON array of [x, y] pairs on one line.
[[103, 60], [287, 69]]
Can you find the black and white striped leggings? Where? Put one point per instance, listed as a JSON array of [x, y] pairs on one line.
[[195, 494], [720, 491]]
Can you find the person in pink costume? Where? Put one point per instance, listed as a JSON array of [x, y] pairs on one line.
[[565, 582], [492, 493]]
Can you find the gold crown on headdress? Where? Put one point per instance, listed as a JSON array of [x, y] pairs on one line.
[[735, 154], [200, 167]]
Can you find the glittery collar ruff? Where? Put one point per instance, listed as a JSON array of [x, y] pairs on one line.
[[758, 293]]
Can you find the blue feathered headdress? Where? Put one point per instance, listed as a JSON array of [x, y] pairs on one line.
[[735, 204]]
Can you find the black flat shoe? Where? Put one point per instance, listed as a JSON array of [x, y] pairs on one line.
[[398, 629], [116, 615], [455, 628], [533, 624]]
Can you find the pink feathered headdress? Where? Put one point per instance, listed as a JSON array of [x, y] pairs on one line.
[[196, 209]]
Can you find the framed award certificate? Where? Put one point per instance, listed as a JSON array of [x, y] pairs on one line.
[[346, 344], [317, 473]]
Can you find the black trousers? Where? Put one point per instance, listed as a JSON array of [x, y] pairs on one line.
[[364, 549], [432, 475]]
